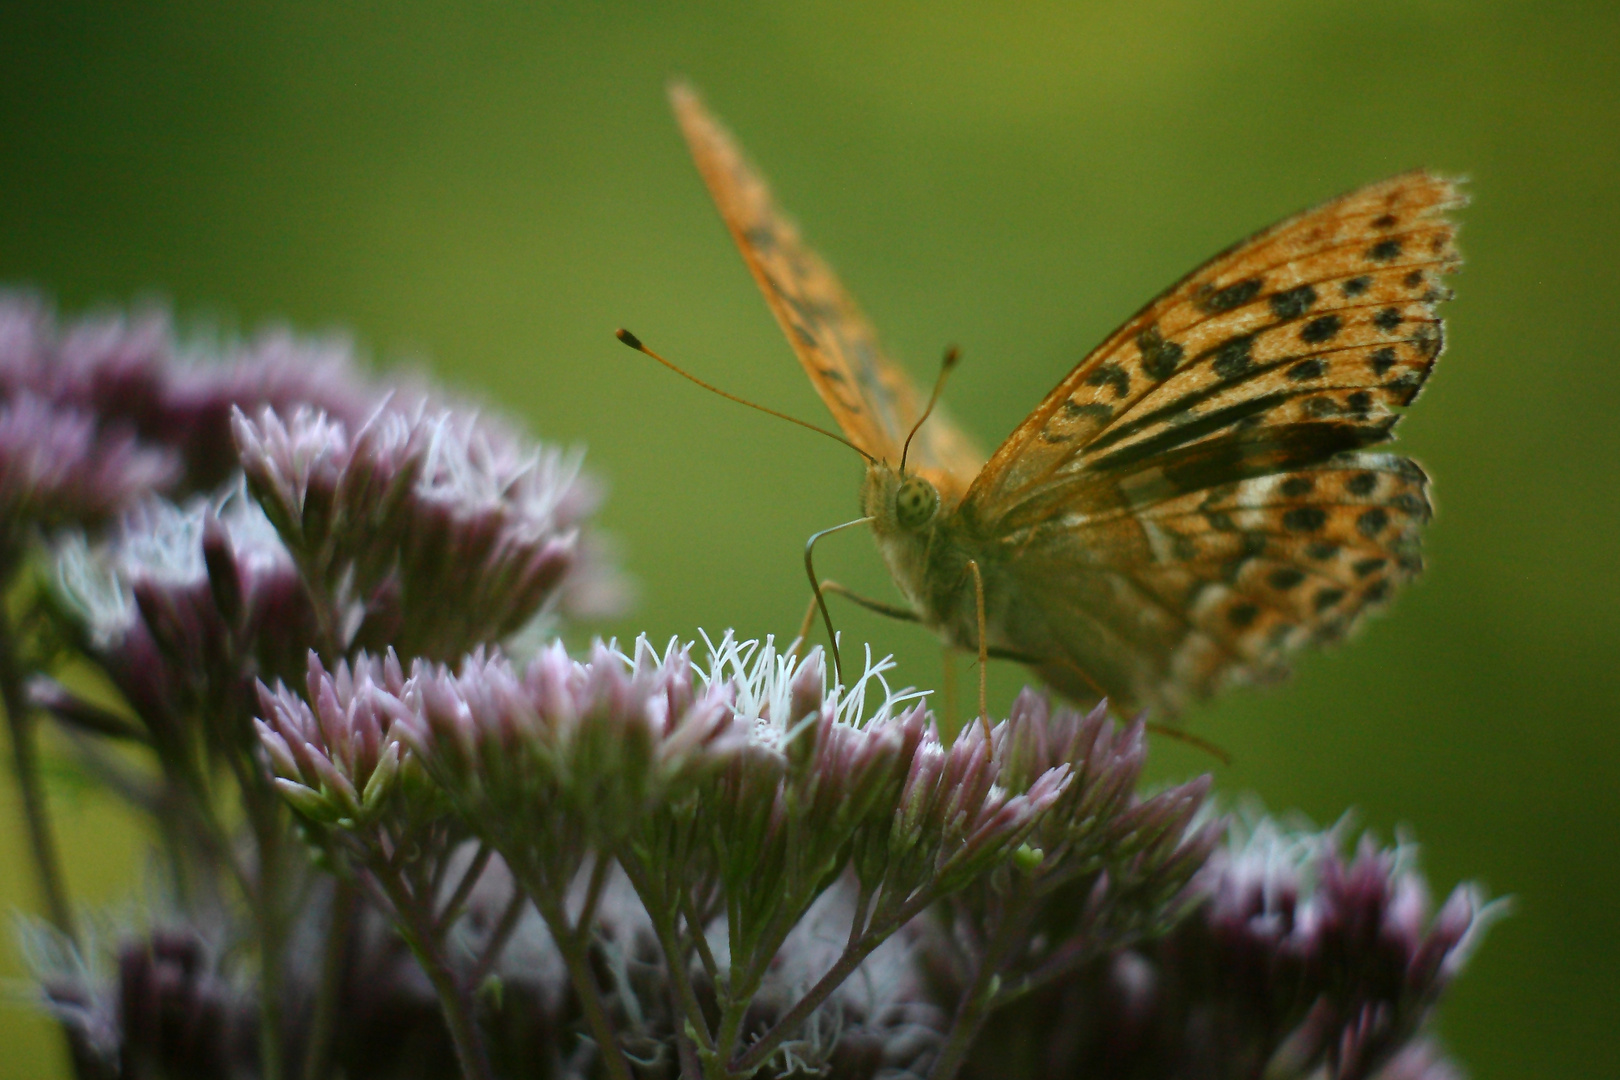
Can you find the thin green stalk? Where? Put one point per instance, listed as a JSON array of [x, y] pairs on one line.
[[318, 1051], [497, 939], [416, 926], [657, 906], [700, 941], [264, 892], [978, 1000], [691, 1068], [25, 769], [570, 943], [860, 946], [464, 887], [270, 925]]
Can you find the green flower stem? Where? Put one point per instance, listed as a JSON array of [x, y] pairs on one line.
[[464, 888], [415, 922], [270, 921], [691, 1068], [25, 769], [264, 892], [657, 906], [861, 945], [1061, 963], [497, 940], [340, 924], [700, 941], [572, 943], [979, 1000]]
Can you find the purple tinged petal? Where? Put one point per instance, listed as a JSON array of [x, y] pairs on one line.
[[281, 758]]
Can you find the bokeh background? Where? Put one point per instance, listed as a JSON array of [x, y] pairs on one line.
[[493, 188]]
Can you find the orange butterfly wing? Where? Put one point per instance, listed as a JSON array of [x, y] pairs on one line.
[[871, 398], [1191, 503]]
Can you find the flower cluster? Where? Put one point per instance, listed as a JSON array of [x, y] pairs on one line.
[[401, 839], [432, 531], [1296, 962], [98, 414]]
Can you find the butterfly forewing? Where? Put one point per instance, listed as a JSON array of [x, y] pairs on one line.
[[871, 398], [1325, 319]]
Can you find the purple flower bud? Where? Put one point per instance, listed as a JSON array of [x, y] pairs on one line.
[[338, 756]]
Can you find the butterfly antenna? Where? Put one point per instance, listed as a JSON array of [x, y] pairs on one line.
[[635, 343], [952, 354], [1183, 736]]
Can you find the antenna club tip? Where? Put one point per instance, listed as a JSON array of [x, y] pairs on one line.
[[952, 355], [629, 339]]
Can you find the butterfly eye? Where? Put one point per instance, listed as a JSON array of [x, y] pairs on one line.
[[915, 503]]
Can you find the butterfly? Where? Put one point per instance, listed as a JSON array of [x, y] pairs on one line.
[[1195, 501]]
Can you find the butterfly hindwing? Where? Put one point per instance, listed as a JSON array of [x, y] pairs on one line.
[[1224, 585]]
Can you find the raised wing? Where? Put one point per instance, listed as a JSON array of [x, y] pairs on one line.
[[871, 398], [1191, 504], [1291, 346]]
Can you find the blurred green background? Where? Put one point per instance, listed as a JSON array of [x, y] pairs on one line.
[[495, 188]]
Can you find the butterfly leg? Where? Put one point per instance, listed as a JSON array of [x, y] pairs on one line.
[[984, 652], [831, 587], [1168, 730]]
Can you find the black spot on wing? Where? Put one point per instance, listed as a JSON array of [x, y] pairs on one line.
[[1295, 487], [1320, 329], [1235, 295], [1304, 519], [1384, 250], [1090, 409], [1362, 483], [1159, 357], [1233, 357], [1373, 521], [1111, 375], [1327, 598], [1382, 360], [1307, 369], [1387, 319], [1293, 303], [1284, 578], [1356, 285]]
